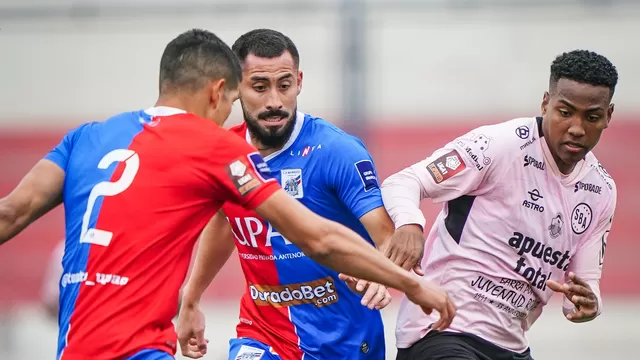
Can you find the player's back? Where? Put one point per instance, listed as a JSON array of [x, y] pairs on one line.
[[293, 304], [137, 193]]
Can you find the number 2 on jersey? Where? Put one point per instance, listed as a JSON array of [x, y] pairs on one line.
[[108, 188]]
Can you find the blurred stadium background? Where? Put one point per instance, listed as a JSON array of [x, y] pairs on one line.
[[406, 76]]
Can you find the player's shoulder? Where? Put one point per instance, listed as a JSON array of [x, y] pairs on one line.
[[329, 135], [240, 129], [599, 179], [501, 141]]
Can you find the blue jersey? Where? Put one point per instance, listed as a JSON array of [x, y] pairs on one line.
[[292, 304]]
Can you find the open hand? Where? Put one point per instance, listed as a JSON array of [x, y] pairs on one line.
[[580, 294], [374, 296]]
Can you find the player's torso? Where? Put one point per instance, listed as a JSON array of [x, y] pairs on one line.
[[134, 201], [291, 301], [521, 233]]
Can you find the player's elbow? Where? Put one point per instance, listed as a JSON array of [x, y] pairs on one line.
[[322, 243]]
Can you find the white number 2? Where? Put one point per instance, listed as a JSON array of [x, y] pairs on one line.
[[107, 188]]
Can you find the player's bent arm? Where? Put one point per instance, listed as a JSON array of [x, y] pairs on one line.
[[215, 247], [401, 194], [38, 192], [378, 225], [332, 244], [588, 260]]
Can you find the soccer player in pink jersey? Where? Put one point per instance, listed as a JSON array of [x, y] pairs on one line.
[[527, 209]]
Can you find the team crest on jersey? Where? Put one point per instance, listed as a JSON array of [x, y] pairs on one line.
[[292, 182], [249, 353], [555, 229], [581, 217], [446, 166]]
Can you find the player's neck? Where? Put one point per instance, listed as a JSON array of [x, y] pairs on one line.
[[264, 150], [186, 103]]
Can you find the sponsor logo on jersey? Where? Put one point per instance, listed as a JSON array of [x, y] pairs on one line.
[[603, 174], [440, 171], [367, 174], [526, 246], [533, 162], [475, 147], [321, 292], [581, 217], [291, 180], [249, 353], [529, 142], [248, 172], [555, 229], [534, 195], [596, 189], [307, 150], [522, 132]]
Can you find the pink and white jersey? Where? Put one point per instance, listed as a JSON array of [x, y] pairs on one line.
[[510, 222]]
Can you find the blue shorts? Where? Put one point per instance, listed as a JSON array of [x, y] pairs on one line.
[[249, 349], [151, 354]]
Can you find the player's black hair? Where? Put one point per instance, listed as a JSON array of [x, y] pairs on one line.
[[265, 43], [195, 58], [585, 67]]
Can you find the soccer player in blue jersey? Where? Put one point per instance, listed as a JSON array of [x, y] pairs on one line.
[[294, 308]]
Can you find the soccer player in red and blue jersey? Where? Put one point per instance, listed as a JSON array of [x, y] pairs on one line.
[[139, 188], [293, 307]]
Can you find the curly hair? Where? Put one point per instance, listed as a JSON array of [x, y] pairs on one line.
[[585, 67]]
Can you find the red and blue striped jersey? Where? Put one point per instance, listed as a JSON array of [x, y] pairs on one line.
[[293, 304], [139, 188]]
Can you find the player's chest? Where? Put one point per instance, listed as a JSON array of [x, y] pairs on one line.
[[298, 175], [552, 211], [251, 232]]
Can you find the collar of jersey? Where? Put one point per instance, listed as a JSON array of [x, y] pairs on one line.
[[297, 127], [163, 111]]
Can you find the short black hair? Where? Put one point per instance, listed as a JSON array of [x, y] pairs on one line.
[[585, 67], [265, 43], [195, 58]]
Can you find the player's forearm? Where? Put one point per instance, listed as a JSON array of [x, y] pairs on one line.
[[402, 193], [208, 263], [215, 248], [344, 251], [9, 221]]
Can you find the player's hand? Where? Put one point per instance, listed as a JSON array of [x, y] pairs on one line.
[[374, 296], [431, 297], [406, 248], [191, 332], [580, 294]]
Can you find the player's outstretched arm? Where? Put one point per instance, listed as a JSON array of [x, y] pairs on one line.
[[341, 249], [38, 192]]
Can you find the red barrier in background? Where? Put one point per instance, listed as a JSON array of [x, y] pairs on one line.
[[24, 259]]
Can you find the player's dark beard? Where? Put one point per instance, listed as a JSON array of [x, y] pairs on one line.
[[270, 138]]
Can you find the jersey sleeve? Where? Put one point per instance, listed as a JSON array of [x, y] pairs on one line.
[[61, 153], [241, 174], [470, 165], [587, 262], [351, 174]]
